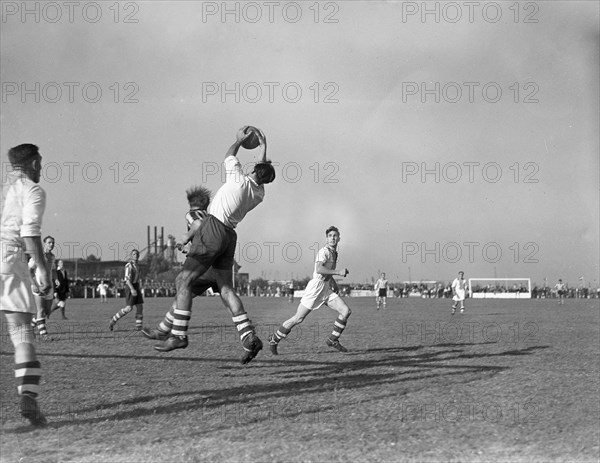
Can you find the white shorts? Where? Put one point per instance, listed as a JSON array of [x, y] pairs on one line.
[[459, 296], [16, 283], [316, 294]]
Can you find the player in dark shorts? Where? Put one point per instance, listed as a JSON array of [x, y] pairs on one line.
[[213, 246], [133, 293]]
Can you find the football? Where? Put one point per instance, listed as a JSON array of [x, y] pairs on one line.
[[252, 141]]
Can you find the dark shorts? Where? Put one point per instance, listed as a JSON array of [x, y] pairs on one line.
[[208, 280], [132, 300], [383, 293], [214, 244], [61, 296]]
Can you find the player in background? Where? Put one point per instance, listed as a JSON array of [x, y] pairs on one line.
[[381, 288], [322, 289], [133, 293], [43, 302], [198, 199], [23, 205], [61, 290], [214, 244], [561, 289], [102, 291], [459, 291], [290, 289]]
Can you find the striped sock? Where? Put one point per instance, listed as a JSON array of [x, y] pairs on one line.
[[139, 318], [243, 325], [40, 324], [281, 333], [338, 328], [181, 320], [121, 313], [166, 325], [28, 376]]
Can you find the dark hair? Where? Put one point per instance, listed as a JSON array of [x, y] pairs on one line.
[[332, 228], [21, 155], [198, 197], [48, 237], [265, 172]]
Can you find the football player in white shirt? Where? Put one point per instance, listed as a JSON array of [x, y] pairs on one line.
[[23, 205], [321, 290], [459, 291], [43, 302], [214, 245], [381, 287], [560, 291]]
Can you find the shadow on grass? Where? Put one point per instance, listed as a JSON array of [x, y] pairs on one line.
[[415, 372]]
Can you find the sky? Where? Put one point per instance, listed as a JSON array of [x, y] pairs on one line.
[[436, 136]]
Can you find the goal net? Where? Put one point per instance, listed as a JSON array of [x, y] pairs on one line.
[[500, 288]]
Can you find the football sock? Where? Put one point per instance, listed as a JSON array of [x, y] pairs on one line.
[[181, 320], [281, 333], [166, 325], [40, 323], [243, 325], [28, 376], [338, 328], [139, 317], [121, 313]]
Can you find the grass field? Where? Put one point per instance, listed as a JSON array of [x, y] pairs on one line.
[[507, 381]]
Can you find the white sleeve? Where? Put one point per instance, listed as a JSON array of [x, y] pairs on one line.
[[34, 204], [322, 255], [233, 169]]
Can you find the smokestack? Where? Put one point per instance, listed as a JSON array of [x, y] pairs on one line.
[[148, 248]]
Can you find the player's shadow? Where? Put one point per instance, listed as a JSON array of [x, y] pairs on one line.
[[308, 383]]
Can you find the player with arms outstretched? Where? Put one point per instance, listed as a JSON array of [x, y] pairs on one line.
[[561, 289], [321, 290]]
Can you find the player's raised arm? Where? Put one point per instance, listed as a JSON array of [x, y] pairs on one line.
[[239, 139], [263, 145]]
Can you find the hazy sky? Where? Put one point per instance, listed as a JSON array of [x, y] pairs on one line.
[[458, 138]]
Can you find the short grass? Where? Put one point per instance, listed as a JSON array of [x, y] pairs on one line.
[[506, 381]]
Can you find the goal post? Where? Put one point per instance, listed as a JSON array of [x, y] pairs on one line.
[[500, 288]]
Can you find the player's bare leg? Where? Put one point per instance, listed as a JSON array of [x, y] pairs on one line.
[[340, 306], [250, 342], [286, 327], [182, 313], [27, 366]]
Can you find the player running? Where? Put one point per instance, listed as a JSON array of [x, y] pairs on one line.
[[322, 289], [133, 293]]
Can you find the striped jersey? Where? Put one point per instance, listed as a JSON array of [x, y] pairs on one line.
[[328, 257], [193, 215], [382, 283], [132, 272]]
